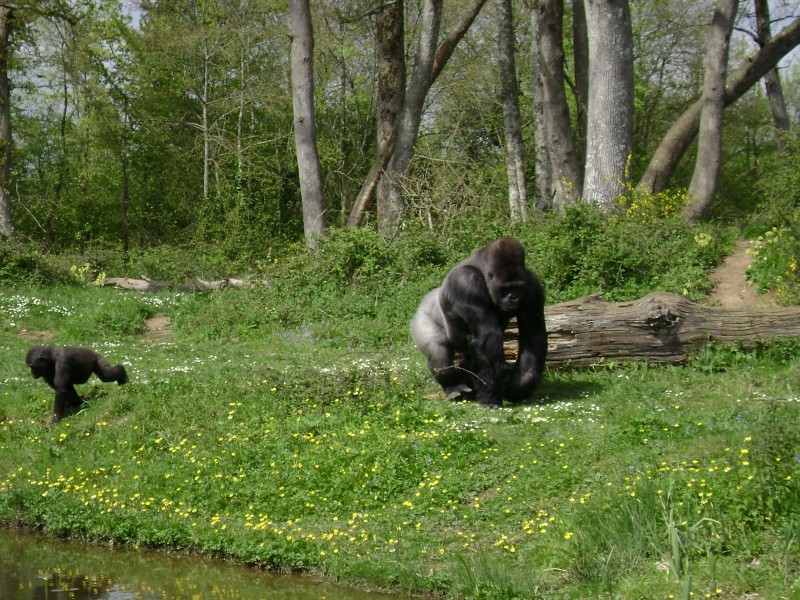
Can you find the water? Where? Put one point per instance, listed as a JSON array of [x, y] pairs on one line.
[[35, 567]]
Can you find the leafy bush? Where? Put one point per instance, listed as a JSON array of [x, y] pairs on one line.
[[643, 207], [20, 265], [777, 225], [775, 262], [585, 251]]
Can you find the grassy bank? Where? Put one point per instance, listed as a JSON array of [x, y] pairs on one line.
[[290, 450]]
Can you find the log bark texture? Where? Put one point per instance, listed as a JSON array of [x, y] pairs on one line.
[[149, 285], [659, 328]]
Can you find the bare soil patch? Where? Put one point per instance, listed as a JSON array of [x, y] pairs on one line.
[[157, 328], [732, 290], [36, 336]]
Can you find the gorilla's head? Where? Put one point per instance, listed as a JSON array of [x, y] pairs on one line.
[[503, 267], [40, 361]]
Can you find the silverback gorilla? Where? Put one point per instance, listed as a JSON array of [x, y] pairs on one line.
[[468, 314], [63, 366]]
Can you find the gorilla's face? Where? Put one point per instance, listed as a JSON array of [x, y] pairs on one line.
[[507, 288]]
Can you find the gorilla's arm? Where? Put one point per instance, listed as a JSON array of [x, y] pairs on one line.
[[103, 369], [473, 319], [529, 367]]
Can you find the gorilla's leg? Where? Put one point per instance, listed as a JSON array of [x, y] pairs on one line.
[[456, 381], [66, 399]]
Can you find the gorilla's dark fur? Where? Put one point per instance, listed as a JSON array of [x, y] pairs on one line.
[[469, 313], [63, 366]]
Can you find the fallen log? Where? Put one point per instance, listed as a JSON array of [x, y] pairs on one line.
[[659, 328], [149, 285], [140, 285]]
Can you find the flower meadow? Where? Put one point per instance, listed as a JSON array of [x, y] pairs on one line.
[[295, 453]]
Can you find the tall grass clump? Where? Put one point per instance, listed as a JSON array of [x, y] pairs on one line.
[[776, 261]]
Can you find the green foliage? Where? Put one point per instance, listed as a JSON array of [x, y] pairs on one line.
[[585, 251], [358, 256], [776, 258], [20, 265], [354, 279], [777, 225]]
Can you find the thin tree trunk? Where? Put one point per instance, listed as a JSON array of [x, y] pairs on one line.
[[305, 127], [680, 135], [772, 80], [610, 115], [61, 177], [515, 161], [6, 142], [709, 147], [542, 177], [124, 190], [390, 29], [564, 168], [240, 124], [124, 200], [580, 54], [205, 125]]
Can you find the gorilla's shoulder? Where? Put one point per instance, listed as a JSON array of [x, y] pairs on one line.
[[465, 276]]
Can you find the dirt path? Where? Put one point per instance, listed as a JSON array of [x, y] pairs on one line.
[[157, 329], [732, 290]]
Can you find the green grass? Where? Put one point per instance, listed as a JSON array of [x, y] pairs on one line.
[[322, 446]]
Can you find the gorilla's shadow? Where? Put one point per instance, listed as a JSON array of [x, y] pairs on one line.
[[552, 391]]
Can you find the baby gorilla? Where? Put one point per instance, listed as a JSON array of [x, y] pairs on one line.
[[63, 366]]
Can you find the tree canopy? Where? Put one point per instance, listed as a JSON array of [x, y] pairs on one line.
[[142, 122]]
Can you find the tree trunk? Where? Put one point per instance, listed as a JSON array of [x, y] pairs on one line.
[[6, 224], [305, 127], [542, 177], [205, 124], [123, 201], [772, 80], [659, 328], [709, 144], [509, 91], [564, 169], [390, 31], [580, 60], [680, 135], [610, 115]]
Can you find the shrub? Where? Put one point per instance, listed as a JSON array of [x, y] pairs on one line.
[[585, 251], [20, 265], [775, 262], [777, 225]]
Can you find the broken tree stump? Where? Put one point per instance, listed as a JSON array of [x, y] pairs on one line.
[[659, 328]]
